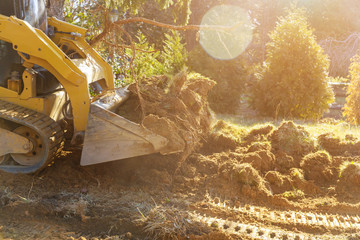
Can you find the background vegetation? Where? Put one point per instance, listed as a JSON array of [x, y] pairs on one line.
[[332, 25]]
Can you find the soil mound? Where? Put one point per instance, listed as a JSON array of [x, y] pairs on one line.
[[291, 139], [317, 167], [258, 146], [258, 134], [246, 177], [262, 160], [349, 178], [284, 161], [224, 136], [175, 108], [279, 183], [336, 146]]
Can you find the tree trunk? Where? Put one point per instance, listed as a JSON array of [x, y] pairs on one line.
[[56, 9]]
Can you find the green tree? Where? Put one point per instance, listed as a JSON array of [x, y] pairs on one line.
[[352, 106], [293, 79]]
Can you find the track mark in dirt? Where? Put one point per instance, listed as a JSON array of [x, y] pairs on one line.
[[255, 231], [263, 223], [290, 217]]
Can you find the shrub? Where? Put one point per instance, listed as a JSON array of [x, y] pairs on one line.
[[174, 55], [231, 77], [293, 79], [352, 105], [149, 61]]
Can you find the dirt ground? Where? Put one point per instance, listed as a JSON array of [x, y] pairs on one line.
[[273, 183]]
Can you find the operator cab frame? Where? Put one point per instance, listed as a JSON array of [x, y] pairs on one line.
[[33, 12]]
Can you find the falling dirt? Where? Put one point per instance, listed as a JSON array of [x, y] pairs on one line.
[[175, 108], [258, 188]]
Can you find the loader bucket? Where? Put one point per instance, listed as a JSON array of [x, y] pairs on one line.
[[111, 137]]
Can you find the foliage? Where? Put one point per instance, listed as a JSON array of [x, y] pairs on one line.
[[293, 79], [174, 54], [231, 77], [295, 194], [338, 80], [145, 64], [94, 15], [352, 106], [148, 61]]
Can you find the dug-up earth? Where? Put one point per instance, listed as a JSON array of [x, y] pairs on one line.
[[266, 183], [228, 182]]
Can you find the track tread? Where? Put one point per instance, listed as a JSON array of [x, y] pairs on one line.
[[44, 125], [266, 222]]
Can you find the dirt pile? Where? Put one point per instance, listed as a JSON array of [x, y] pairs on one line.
[[224, 136], [292, 139], [176, 108], [258, 134], [336, 146], [283, 161], [349, 178], [317, 167]]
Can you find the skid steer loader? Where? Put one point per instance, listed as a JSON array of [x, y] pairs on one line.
[[45, 72]]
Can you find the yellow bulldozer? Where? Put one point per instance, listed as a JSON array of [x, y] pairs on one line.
[[46, 70]]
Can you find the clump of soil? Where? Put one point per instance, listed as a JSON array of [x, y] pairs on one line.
[[349, 178], [258, 146], [317, 167], [298, 182], [291, 139], [336, 146], [284, 161], [258, 134], [262, 160], [279, 183], [224, 136], [247, 177], [175, 108]]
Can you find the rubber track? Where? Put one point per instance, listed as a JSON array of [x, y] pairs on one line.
[[261, 223], [47, 128]]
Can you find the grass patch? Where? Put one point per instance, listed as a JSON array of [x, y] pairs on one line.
[[294, 194]]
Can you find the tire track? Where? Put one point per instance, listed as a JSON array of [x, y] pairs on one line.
[[262, 223]]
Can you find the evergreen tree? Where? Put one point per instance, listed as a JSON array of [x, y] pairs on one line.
[[352, 106], [293, 79]]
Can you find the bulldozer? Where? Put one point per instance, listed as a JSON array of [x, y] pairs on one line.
[[47, 68]]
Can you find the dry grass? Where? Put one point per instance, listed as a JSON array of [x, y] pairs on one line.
[[165, 222]]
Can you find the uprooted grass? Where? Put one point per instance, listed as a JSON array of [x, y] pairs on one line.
[[167, 222]]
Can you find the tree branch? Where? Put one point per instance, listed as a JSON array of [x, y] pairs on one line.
[[159, 24]]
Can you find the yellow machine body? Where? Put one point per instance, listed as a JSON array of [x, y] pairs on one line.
[[101, 131]]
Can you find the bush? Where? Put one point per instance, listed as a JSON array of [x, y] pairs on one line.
[[231, 77], [149, 61], [174, 54], [352, 105], [293, 79]]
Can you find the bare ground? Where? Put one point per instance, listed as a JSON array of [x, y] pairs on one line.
[[261, 187]]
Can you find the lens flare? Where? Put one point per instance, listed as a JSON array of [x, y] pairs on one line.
[[225, 31]]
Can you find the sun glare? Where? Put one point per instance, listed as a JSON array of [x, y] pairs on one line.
[[226, 31]]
